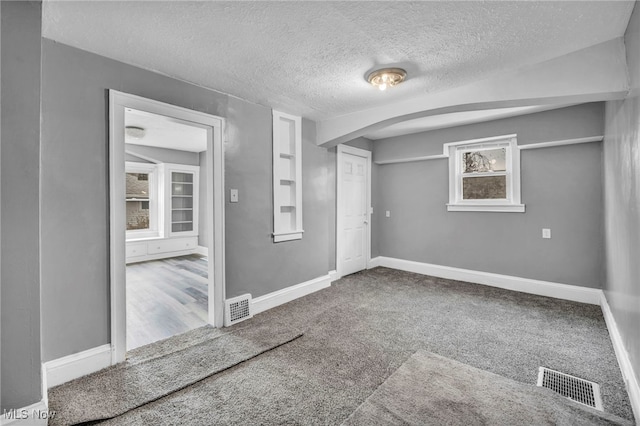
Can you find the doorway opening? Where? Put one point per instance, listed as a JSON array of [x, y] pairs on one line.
[[167, 233], [166, 244]]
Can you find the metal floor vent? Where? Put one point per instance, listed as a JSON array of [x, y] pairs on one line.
[[237, 309], [576, 389]]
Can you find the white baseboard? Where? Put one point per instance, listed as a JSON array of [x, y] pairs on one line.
[[630, 378], [71, 367], [34, 415], [277, 298], [373, 263], [159, 256], [524, 285], [204, 251], [333, 275]]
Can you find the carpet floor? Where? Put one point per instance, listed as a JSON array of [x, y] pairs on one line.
[[115, 391], [366, 325], [431, 390]]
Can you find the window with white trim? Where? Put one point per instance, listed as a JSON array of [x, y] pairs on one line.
[[142, 198], [484, 175]]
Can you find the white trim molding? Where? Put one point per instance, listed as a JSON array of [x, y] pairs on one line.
[[511, 201], [524, 285], [214, 127], [373, 263], [563, 142], [76, 365], [203, 251], [280, 297], [626, 367], [33, 415]]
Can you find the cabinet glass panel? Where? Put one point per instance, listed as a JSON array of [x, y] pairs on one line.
[[182, 177], [181, 227], [181, 202], [181, 188], [181, 215]]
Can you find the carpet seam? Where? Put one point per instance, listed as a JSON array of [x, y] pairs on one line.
[[93, 421]]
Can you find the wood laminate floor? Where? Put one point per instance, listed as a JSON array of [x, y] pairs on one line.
[[165, 297]]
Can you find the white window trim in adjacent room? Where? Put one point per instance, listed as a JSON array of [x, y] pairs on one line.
[[155, 200], [283, 179], [512, 202]]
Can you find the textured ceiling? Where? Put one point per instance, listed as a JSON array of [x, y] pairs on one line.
[[310, 58]]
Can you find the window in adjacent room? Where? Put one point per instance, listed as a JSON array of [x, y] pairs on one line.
[[484, 175], [141, 200]]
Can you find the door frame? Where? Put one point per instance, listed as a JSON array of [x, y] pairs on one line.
[[358, 152], [214, 125]]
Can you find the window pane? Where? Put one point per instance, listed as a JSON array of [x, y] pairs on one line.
[[484, 188], [488, 160], [138, 185], [137, 201]]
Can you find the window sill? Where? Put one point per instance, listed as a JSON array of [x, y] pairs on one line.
[[287, 236], [504, 208]]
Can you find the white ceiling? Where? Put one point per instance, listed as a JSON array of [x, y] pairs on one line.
[[164, 132], [310, 58]]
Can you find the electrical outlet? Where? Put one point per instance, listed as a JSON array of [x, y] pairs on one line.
[[233, 196], [388, 213], [546, 233]]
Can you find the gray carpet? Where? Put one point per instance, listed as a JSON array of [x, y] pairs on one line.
[[431, 390], [115, 391], [366, 325]]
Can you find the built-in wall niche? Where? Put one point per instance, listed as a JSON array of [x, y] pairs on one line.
[[287, 177]]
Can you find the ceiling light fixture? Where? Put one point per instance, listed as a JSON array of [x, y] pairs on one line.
[[386, 77], [134, 132]]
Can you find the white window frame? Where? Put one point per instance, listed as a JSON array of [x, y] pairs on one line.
[[155, 200], [512, 202]]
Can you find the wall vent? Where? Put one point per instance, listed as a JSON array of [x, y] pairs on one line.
[[237, 309], [576, 389]]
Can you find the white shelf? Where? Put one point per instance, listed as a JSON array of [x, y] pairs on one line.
[[287, 177]]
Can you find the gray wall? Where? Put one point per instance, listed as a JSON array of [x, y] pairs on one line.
[[566, 123], [20, 275], [561, 188], [254, 264], [75, 284], [622, 202]]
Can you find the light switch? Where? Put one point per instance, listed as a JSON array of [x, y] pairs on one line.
[[546, 233], [388, 213], [234, 195]]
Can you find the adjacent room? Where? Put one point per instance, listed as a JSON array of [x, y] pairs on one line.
[[343, 213], [166, 249]]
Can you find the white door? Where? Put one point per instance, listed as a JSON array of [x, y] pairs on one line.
[[353, 209]]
